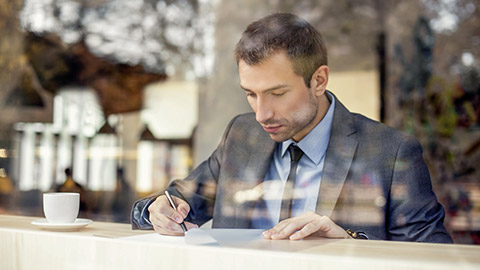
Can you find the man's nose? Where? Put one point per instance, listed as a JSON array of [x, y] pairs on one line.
[[264, 111]]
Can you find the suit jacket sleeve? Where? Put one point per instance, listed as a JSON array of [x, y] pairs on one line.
[[414, 212], [198, 190]]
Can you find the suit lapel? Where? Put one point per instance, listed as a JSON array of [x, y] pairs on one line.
[[338, 159], [259, 162], [256, 167]]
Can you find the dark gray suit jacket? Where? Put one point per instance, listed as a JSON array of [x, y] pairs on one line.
[[374, 180]]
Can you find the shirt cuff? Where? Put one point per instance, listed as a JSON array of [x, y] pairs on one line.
[[145, 213]]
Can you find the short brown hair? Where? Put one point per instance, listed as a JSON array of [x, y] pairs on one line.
[[283, 31]]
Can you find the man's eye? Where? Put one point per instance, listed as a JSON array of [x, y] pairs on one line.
[[278, 94], [251, 95]]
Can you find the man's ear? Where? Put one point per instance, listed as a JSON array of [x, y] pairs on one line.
[[319, 80]]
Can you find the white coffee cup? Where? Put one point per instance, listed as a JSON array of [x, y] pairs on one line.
[[61, 207]]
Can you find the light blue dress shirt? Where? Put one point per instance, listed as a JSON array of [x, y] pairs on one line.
[[309, 174]]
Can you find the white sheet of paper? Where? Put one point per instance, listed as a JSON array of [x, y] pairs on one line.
[[222, 237], [211, 237]]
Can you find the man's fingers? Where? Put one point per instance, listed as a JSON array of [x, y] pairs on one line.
[[166, 227], [291, 227], [307, 230], [288, 226], [318, 225], [163, 231], [190, 225], [166, 223], [303, 226], [182, 207], [177, 232], [161, 206], [165, 219], [277, 229], [321, 226]]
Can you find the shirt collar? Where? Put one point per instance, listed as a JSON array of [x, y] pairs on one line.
[[315, 143]]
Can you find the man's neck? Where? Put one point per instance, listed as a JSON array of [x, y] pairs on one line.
[[323, 105]]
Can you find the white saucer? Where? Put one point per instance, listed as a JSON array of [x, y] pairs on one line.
[[76, 225]]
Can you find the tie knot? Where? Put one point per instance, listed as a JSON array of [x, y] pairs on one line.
[[295, 152]]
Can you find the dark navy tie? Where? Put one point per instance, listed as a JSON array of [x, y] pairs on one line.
[[287, 200]]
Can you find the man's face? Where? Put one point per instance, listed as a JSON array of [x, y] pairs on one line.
[[283, 104]]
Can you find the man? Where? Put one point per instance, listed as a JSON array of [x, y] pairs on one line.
[[302, 164]]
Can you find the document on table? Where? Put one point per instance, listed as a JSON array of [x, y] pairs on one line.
[[210, 237]]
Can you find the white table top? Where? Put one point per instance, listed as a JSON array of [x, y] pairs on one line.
[[101, 245]]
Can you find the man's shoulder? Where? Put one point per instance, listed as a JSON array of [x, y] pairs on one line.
[[244, 121], [244, 128], [377, 131], [366, 129], [245, 118]]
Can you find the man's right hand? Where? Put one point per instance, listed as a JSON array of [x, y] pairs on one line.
[[167, 221]]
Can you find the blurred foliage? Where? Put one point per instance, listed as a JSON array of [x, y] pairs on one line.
[[435, 95], [11, 58], [54, 64], [149, 32], [25, 93], [119, 86]]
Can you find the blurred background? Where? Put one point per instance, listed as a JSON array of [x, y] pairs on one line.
[[113, 99]]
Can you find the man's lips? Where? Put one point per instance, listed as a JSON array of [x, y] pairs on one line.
[[271, 129]]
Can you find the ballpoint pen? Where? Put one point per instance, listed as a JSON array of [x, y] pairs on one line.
[[170, 200]]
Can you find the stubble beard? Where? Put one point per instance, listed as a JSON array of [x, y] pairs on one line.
[[300, 120]]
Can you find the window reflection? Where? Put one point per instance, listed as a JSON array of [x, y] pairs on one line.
[[69, 68]]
